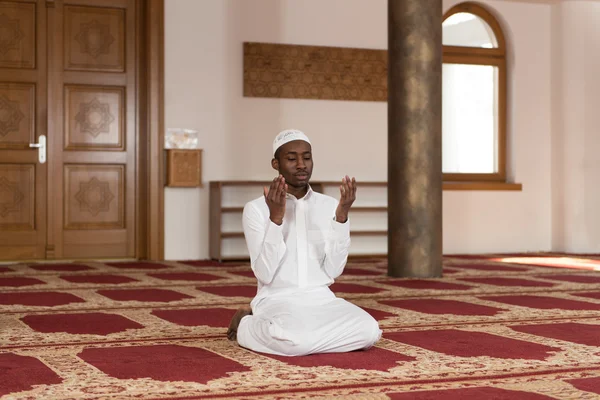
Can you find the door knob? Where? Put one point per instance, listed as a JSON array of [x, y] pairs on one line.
[[41, 146]]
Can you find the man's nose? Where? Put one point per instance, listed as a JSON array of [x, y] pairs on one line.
[[301, 164]]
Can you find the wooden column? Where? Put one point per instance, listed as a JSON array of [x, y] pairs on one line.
[[415, 138]]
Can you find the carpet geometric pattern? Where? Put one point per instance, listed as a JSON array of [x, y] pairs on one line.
[[495, 326]]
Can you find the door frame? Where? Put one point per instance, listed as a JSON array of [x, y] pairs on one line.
[[150, 207]]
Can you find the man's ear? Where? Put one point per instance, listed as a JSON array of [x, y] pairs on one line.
[[275, 164]]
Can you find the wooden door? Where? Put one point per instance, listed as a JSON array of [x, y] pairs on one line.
[[74, 72], [92, 128], [23, 98]]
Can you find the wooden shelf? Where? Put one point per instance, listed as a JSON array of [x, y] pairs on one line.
[[482, 186], [365, 184], [369, 209], [232, 209], [217, 209], [369, 233], [354, 209], [357, 257], [353, 233], [232, 234]]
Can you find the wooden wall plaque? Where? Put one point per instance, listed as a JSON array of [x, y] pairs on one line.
[[314, 72], [184, 168]]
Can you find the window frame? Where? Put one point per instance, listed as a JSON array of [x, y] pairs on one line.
[[482, 56]]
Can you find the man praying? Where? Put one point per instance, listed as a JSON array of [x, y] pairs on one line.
[[298, 241]]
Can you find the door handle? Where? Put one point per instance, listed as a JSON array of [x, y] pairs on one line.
[[41, 146]]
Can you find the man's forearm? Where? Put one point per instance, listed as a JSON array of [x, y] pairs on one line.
[[341, 214]]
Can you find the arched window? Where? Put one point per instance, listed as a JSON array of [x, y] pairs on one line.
[[473, 95]]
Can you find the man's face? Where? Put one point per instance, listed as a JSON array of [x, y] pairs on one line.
[[295, 163]]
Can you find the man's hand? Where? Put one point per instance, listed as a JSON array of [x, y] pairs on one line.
[[347, 197], [275, 197]]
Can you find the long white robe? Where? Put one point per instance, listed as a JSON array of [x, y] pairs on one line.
[[294, 312]]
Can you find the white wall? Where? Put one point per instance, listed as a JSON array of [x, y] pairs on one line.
[[203, 89], [576, 127], [514, 221]]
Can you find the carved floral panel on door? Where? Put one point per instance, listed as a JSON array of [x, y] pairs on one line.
[[17, 114], [94, 39], [17, 38], [94, 118], [17, 183], [94, 196]]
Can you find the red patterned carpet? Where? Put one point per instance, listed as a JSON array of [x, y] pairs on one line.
[[501, 327]]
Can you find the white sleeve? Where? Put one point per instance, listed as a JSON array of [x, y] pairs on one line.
[[265, 243], [337, 248]]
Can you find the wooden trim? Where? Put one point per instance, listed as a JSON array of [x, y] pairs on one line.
[[314, 184], [502, 120], [483, 56], [361, 256], [142, 215], [225, 235], [55, 130], [369, 209], [473, 51], [473, 59], [232, 210], [359, 183], [154, 33], [97, 3], [243, 183], [483, 186], [214, 221], [483, 13], [354, 209], [380, 232], [467, 177], [369, 233], [41, 124], [358, 256], [471, 183]]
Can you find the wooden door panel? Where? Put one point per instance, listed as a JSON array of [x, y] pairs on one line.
[[17, 41], [96, 157], [94, 118], [22, 121], [17, 115], [94, 128], [95, 210], [94, 38], [108, 79], [17, 197], [94, 197], [106, 242]]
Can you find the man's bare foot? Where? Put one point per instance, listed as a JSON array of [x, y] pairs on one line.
[[235, 321]]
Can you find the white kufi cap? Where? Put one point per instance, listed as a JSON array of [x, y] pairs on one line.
[[287, 136]]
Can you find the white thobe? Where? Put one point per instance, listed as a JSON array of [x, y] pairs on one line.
[[294, 312]]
